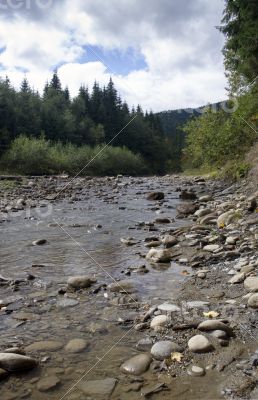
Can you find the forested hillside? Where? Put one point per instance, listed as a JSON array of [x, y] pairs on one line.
[[93, 118]]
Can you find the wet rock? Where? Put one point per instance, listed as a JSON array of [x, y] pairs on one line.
[[123, 286], [99, 388], [49, 345], [238, 278], [196, 371], [39, 242], [48, 383], [160, 320], [128, 241], [155, 243], [186, 209], [80, 282], [206, 198], [253, 301], [159, 256], [162, 220], [163, 349], [199, 344], [187, 195], [169, 241], [16, 362], [213, 325], [144, 344], [76, 345], [156, 196], [251, 283], [136, 365]]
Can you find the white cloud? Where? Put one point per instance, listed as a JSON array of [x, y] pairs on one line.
[[177, 39]]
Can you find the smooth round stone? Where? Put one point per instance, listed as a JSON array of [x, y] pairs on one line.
[[238, 278], [213, 325], [163, 349], [50, 345], [251, 283], [159, 256], [169, 241], [196, 371], [76, 345], [48, 383], [80, 282], [199, 344], [136, 365], [253, 301], [160, 320], [219, 334], [16, 362], [169, 308]]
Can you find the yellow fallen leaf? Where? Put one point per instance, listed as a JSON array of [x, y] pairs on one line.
[[222, 226], [211, 314], [176, 357]]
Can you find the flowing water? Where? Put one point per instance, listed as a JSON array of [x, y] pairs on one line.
[[82, 247]]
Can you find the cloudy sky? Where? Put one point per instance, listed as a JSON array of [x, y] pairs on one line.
[[163, 54]]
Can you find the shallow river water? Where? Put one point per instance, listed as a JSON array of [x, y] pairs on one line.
[[89, 244]]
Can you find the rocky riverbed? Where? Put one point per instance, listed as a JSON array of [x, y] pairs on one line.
[[128, 288]]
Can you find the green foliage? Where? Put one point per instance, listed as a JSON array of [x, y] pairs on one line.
[[39, 156], [216, 138], [239, 25]]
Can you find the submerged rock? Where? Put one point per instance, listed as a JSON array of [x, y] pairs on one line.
[[156, 196], [136, 365], [48, 345], [16, 363], [48, 383], [76, 345], [124, 286], [101, 387], [80, 282]]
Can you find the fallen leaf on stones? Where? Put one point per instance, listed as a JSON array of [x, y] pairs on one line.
[[211, 314], [176, 357]]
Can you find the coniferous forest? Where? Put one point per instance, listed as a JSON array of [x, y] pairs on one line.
[[58, 124]]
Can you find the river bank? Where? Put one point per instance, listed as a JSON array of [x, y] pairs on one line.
[[183, 253]]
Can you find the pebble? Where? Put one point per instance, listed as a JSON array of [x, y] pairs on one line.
[[169, 241], [238, 278], [251, 283], [211, 247], [144, 344], [219, 334], [196, 371], [123, 286], [159, 256], [253, 301], [136, 365], [160, 320], [199, 344], [16, 362], [64, 303], [39, 242], [80, 282], [76, 345], [169, 308], [163, 349], [48, 383]]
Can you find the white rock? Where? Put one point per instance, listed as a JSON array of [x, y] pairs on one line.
[[238, 278], [160, 320], [159, 256], [253, 301], [196, 371], [251, 283], [199, 344], [211, 247], [169, 308], [225, 218]]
